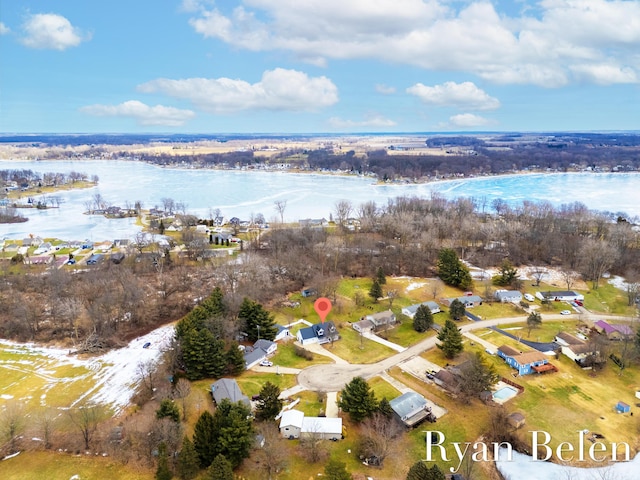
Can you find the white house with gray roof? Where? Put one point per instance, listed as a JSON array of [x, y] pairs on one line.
[[411, 408], [411, 310], [294, 424]]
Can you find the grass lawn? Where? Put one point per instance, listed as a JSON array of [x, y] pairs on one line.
[[349, 348], [383, 389], [311, 403], [285, 357], [405, 335], [53, 465], [36, 378], [252, 382]]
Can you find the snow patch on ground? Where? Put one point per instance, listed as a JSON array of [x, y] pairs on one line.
[[415, 285], [522, 467], [115, 372]]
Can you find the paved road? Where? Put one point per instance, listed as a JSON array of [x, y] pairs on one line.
[[332, 378]]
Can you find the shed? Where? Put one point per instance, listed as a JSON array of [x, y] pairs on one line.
[[622, 407], [516, 420]]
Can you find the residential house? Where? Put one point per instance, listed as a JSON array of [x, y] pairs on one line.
[[560, 296], [468, 301], [447, 380], [228, 388], [283, 334], [259, 352], [613, 332], [294, 424], [44, 247], [375, 321], [308, 292], [411, 310], [320, 333], [508, 296], [565, 339], [313, 222], [220, 238], [525, 362], [411, 408]]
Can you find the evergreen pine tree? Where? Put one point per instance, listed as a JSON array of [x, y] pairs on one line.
[[375, 292], [336, 470], [451, 270], [380, 276], [220, 469], [168, 409], [204, 439], [450, 339], [385, 408], [233, 429], [456, 310], [163, 472], [423, 319], [259, 322], [357, 399], [188, 464], [419, 471], [269, 404], [235, 360]]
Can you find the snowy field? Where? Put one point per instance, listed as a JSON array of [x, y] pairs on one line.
[[522, 467], [114, 375]]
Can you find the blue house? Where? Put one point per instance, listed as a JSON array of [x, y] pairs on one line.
[[527, 362], [319, 333]]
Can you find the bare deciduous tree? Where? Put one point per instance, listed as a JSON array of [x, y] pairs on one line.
[[86, 417], [181, 391], [12, 423]]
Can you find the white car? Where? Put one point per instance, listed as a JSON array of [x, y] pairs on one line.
[[565, 312], [266, 363]]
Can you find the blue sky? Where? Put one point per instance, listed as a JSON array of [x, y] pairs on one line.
[[309, 66]]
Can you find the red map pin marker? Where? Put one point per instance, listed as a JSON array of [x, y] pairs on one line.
[[322, 307]]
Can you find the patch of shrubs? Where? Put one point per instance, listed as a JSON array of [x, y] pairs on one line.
[[302, 352]]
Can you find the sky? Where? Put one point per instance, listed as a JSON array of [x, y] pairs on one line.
[[318, 66]]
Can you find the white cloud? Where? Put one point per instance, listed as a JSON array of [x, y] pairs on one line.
[[385, 89], [605, 74], [4, 29], [50, 31], [158, 115], [464, 95], [278, 89], [371, 121], [538, 46], [467, 120]]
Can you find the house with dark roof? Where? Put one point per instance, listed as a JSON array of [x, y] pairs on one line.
[[227, 388], [258, 352], [411, 408], [525, 362], [447, 380], [411, 310], [283, 333], [320, 333]]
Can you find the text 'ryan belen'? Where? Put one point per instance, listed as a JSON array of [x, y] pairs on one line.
[[541, 451]]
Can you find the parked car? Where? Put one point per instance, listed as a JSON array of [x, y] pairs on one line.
[[579, 302], [565, 312], [146, 345], [266, 363]]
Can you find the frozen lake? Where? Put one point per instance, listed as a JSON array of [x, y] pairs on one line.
[[242, 193]]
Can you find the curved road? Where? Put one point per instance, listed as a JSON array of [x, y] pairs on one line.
[[333, 377]]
